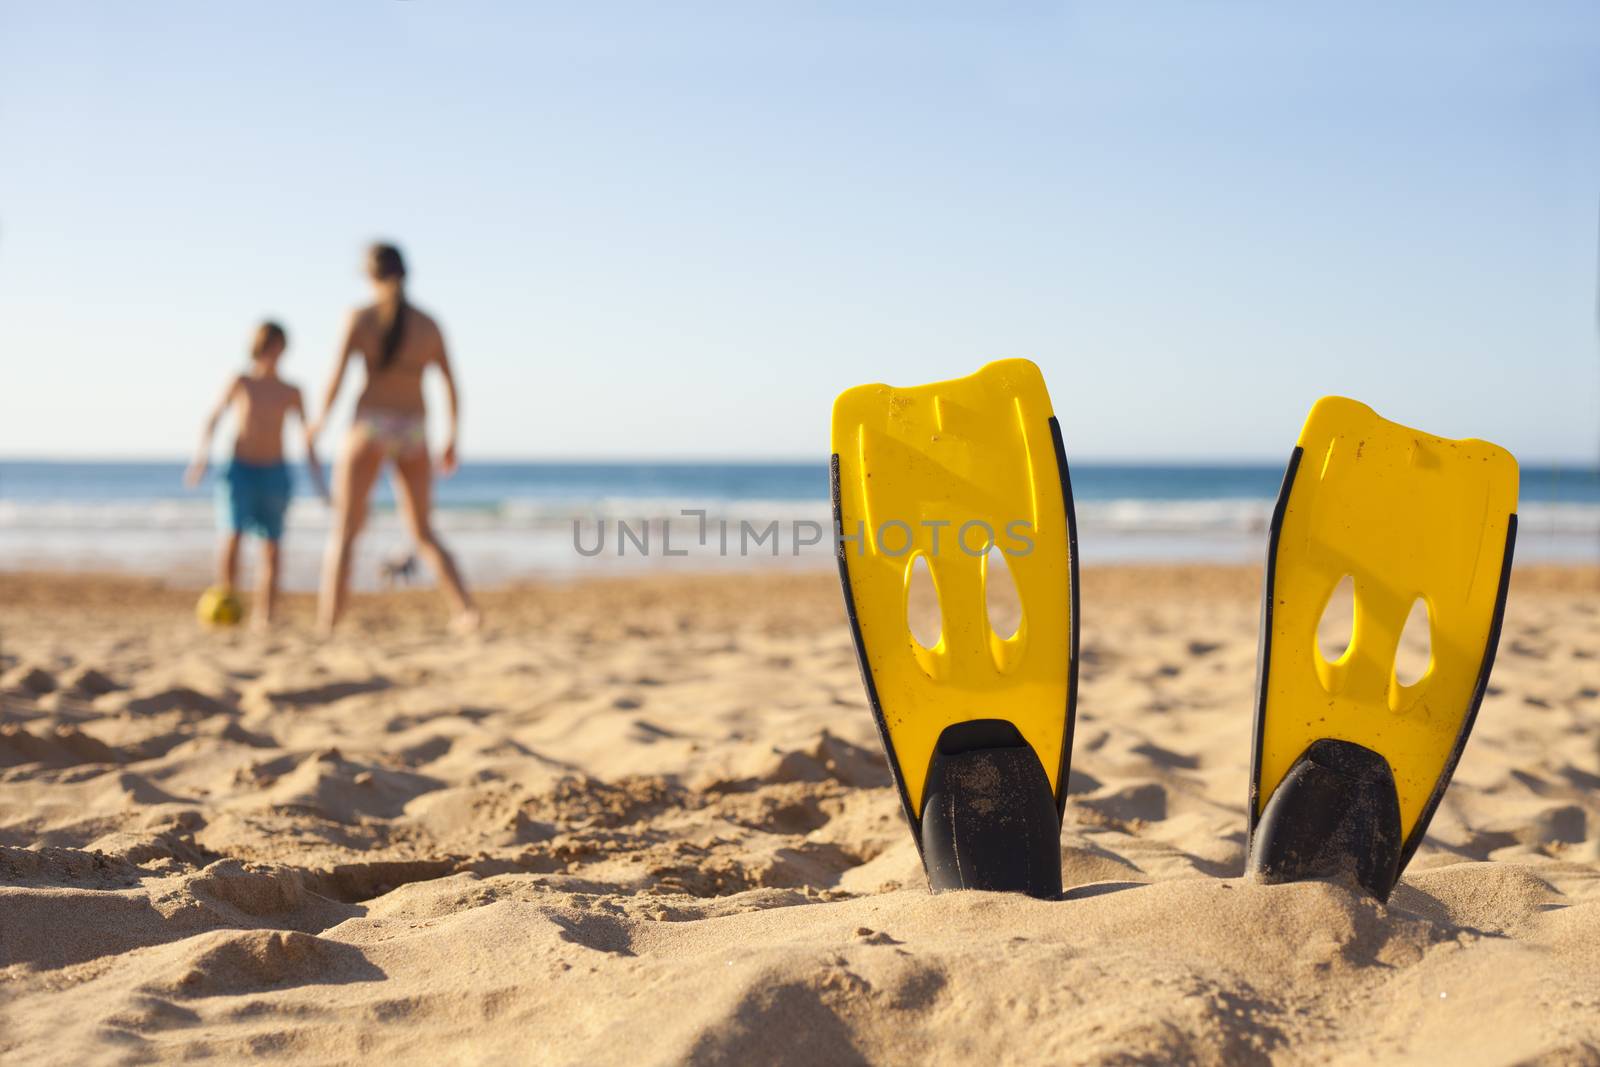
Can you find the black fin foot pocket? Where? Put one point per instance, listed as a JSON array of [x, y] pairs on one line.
[[1335, 815], [989, 818]]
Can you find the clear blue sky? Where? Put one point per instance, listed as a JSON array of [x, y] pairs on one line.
[[679, 230]]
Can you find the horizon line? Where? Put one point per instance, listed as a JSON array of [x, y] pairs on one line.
[[1589, 465]]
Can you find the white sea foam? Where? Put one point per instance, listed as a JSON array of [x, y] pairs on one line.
[[1127, 516], [535, 535]]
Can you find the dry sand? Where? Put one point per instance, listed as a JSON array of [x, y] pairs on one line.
[[648, 822]]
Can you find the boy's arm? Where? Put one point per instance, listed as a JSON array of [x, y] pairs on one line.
[[297, 405], [202, 455], [346, 350], [447, 460]]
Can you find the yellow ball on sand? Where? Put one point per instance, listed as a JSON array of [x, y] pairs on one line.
[[219, 607]]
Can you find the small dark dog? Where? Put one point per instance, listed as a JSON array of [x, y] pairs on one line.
[[397, 569]]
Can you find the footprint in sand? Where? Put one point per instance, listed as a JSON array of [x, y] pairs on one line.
[[329, 693], [35, 681], [1163, 757], [88, 682], [1145, 802], [180, 699]]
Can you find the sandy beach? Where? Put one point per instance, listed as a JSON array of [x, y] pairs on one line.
[[648, 821]]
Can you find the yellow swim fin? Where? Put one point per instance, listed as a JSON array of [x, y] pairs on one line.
[[964, 477], [1349, 762]]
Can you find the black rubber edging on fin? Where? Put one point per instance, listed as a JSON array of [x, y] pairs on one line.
[[867, 681], [1491, 646], [1065, 769], [1336, 813], [1264, 642]]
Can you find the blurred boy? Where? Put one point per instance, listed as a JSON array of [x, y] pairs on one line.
[[253, 492]]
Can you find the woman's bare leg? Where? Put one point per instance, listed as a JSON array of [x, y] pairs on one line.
[[353, 478], [414, 487]]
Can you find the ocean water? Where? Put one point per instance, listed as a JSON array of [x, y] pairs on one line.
[[506, 520]]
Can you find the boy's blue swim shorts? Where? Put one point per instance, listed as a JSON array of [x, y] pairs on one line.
[[252, 498]]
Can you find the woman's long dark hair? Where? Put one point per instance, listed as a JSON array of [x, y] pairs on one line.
[[384, 263]]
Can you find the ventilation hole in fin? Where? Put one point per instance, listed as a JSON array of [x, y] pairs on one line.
[[923, 618], [1000, 597], [1337, 626], [1412, 658]]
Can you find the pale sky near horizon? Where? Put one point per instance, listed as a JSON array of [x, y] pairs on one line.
[[677, 231]]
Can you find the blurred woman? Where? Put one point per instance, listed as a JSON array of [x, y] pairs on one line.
[[397, 342]]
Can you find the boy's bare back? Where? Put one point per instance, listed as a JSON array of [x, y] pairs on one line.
[[260, 405]]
